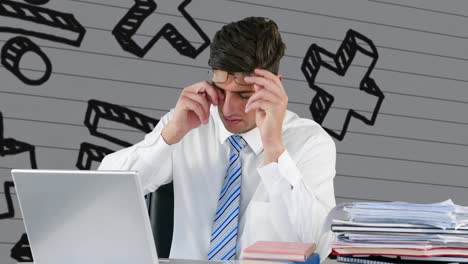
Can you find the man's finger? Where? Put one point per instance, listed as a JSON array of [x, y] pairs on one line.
[[262, 94], [266, 83], [269, 75], [194, 106], [201, 99], [206, 87], [259, 104]]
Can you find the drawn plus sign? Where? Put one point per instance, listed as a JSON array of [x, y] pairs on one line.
[[363, 103], [37, 22], [142, 11]]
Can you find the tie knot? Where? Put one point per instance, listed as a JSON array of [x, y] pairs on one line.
[[237, 143]]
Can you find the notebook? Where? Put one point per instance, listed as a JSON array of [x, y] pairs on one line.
[[277, 250]]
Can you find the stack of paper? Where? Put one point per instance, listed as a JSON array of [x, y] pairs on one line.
[[398, 231]]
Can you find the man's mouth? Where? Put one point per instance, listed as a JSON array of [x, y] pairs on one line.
[[232, 121]]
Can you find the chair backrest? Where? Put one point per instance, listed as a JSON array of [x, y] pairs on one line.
[[161, 213]]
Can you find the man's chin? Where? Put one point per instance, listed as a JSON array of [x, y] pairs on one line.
[[235, 129], [238, 128]]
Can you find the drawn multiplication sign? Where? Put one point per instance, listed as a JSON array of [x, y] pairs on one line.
[[35, 21], [343, 93]]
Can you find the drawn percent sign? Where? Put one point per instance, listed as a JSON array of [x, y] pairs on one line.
[[37, 22]]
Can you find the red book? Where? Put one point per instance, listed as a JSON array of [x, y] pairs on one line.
[[276, 250]]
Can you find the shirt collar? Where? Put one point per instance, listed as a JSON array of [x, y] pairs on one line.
[[252, 137]]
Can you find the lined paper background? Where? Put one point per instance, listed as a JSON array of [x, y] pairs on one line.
[[416, 151]]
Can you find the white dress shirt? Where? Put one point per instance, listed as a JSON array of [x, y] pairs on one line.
[[286, 200]]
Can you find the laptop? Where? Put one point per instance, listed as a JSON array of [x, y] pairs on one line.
[[85, 217]]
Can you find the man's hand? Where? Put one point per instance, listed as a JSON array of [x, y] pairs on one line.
[[192, 110], [270, 102]]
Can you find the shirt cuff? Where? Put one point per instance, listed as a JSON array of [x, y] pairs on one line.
[[279, 177]]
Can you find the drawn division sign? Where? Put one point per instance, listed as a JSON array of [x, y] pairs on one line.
[[38, 22]]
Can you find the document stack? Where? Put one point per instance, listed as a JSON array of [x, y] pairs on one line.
[[398, 232]]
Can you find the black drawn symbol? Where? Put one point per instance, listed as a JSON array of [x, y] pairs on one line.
[[352, 46], [21, 250], [11, 55], [10, 146], [89, 153], [37, 2], [128, 26], [7, 186], [98, 110], [37, 22]]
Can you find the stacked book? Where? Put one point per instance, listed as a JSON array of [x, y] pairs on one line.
[[276, 252], [397, 232]]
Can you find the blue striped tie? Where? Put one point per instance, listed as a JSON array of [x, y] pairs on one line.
[[223, 242]]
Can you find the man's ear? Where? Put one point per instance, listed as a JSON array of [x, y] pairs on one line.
[[280, 77]]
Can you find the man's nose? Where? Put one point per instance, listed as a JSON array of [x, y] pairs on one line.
[[230, 104]]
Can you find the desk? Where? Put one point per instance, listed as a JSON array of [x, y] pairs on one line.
[[185, 261]]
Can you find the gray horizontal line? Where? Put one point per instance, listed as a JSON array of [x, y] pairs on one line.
[[408, 138], [68, 124], [390, 92], [286, 32], [403, 181], [351, 19], [143, 35], [396, 71], [7, 243], [389, 114], [361, 199], [121, 7], [78, 100], [413, 117], [15, 218], [425, 75], [400, 159], [419, 8], [42, 146], [10, 193], [6, 168]]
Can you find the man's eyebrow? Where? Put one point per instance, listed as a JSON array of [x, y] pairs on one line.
[[237, 92]]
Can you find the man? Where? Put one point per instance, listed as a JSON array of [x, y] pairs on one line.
[[244, 168]]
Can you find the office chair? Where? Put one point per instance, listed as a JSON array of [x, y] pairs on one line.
[[161, 212]]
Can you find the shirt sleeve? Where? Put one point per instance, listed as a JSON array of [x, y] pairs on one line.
[[151, 158], [301, 192]]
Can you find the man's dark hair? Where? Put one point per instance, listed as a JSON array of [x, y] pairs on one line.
[[242, 46]]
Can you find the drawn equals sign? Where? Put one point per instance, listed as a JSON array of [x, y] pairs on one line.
[[37, 22]]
